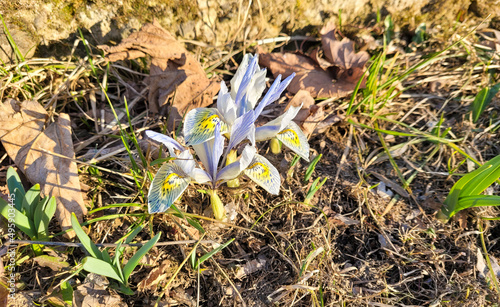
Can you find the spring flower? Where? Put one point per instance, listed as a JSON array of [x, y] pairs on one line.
[[173, 178], [237, 112]]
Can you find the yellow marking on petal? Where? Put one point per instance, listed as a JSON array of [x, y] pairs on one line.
[[203, 129], [291, 136], [170, 183], [260, 170], [167, 186], [264, 174]]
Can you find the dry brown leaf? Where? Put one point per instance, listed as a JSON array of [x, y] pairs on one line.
[[317, 81], [155, 276], [334, 78], [311, 118], [174, 73], [38, 154], [54, 263], [341, 53], [305, 99]]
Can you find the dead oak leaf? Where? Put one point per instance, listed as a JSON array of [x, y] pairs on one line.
[[43, 156], [309, 75], [334, 77], [351, 65], [174, 73]]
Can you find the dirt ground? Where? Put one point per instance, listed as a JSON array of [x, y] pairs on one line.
[[364, 239]]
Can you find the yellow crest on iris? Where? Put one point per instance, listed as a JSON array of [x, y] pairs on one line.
[[168, 185], [262, 172], [199, 125], [293, 138]]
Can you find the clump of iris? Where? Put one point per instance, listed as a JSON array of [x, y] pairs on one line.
[[218, 134]]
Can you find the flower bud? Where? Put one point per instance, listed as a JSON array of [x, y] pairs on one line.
[[231, 157], [275, 145], [217, 206]]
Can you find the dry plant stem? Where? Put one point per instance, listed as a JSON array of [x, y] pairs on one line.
[[485, 250], [70, 244]]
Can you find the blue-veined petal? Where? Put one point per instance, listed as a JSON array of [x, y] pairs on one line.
[[225, 104], [168, 185], [210, 152], [242, 85], [234, 169], [199, 125], [241, 128], [272, 128], [293, 138], [169, 142], [262, 172], [273, 93]]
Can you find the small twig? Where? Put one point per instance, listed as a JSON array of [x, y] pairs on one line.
[[72, 244]]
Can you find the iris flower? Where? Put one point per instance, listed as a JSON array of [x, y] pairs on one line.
[[237, 112], [173, 178]]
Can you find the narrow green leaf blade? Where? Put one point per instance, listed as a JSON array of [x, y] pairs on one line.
[[134, 261], [482, 100], [210, 254], [477, 201], [47, 214], [13, 183], [84, 239]]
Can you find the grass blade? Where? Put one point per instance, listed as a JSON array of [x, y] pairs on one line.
[[482, 100], [210, 254]]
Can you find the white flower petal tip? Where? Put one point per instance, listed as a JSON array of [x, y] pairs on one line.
[[199, 125], [169, 142], [293, 138], [167, 186], [262, 172]]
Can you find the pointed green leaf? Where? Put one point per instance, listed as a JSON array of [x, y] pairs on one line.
[[30, 201], [134, 261], [49, 209], [13, 181], [101, 267], [471, 184], [84, 239], [482, 101], [210, 254]]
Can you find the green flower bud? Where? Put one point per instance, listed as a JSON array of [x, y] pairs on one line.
[[217, 206]]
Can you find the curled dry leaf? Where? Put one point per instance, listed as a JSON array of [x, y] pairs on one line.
[[334, 77], [44, 156], [312, 118], [174, 73]]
